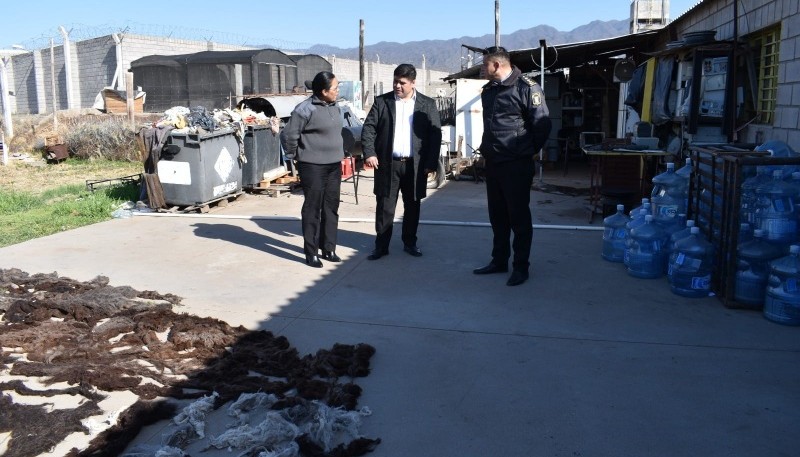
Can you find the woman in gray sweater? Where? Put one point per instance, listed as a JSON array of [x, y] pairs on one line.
[[313, 137]]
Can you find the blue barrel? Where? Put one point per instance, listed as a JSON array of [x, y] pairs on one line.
[[615, 235], [752, 269], [690, 266], [646, 252], [782, 300]]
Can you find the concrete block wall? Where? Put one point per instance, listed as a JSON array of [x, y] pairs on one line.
[[97, 63], [22, 81], [94, 64], [379, 76], [755, 16]]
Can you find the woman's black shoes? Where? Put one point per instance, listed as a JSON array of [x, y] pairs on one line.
[[331, 256], [313, 261]]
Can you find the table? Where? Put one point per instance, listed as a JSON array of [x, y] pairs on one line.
[[604, 179]]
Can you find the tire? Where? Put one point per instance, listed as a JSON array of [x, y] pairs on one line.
[[436, 178]]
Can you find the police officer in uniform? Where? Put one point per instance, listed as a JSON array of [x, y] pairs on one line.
[[516, 125]]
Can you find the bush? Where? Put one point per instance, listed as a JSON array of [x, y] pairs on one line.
[[87, 136], [110, 138]]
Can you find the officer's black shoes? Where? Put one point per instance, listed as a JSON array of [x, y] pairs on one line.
[[412, 250], [377, 254], [517, 277], [490, 269]]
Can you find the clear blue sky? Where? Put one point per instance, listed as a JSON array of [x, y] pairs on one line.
[[296, 23]]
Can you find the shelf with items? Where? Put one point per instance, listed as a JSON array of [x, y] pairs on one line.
[[701, 86]]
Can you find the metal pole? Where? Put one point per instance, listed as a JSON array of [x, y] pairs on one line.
[[361, 55], [8, 132], [53, 85], [542, 46], [497, 22], [732, 136]]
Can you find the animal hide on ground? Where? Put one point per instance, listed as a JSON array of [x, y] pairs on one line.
[[89, 338]]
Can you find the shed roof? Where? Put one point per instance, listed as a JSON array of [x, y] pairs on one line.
[[247, 56], [571, 54]]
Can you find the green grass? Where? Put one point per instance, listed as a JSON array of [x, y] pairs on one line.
[[25, 216]]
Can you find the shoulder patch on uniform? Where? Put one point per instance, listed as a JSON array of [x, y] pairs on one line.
[[536, 98], [528, 80]]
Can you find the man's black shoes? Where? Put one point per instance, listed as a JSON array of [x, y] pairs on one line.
[[517, 277], [490, 269], [377, 254], [313, 261], [331, 256], [412, 250]]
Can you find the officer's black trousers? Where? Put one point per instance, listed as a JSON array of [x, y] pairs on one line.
[[508, 191]]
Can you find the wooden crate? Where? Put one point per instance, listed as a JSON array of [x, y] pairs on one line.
[[117, 104], [714, 203]]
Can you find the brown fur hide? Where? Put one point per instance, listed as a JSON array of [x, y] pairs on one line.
[[97, 337]]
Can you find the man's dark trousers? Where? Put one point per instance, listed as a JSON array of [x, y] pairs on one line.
[[402, 180], [508, 191]]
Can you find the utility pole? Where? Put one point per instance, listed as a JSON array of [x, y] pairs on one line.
[[361, 55], [497, 23]]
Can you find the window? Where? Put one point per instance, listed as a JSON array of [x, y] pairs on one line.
[[767, 47]]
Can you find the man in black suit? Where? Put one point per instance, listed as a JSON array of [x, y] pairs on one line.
[[401, 138]]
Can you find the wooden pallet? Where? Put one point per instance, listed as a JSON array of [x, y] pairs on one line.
[[206, 207], [277, 184]]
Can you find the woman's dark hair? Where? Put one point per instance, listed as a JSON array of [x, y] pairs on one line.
[[406, 70], [322, 82]]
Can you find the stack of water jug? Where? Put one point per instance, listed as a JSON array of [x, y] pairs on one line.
[[657, 240]]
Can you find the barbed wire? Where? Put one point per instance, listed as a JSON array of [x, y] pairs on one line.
[[81, 32]]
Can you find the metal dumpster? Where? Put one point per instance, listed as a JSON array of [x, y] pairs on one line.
[[199, 168], [262, 149]]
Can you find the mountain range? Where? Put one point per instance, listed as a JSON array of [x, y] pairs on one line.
[[447, 55]]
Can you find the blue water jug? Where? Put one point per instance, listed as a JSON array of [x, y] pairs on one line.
[[668, 198], [671, 226], [646, 254], [636, 210], [782, 300], [747, 211], [685, 172], [745, 233], [778, 148], [752, 269], [615, 235], [680, 234], [775, 212], [637, 219], [690, 266]]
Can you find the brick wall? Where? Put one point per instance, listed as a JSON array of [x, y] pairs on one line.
[[754, 16]]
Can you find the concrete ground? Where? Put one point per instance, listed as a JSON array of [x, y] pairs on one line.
[[581, 360]]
